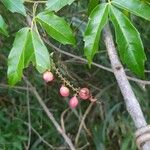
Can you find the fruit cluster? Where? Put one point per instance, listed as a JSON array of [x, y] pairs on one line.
[[82, 93]]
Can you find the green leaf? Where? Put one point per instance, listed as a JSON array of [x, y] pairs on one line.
[[137, 7], [92, 4], [41, 55], [97, 20], [16, 56], [15, 6], [56, 5], [3, 26], [148, 1], [29, 52], [129, 42], [56, 27]]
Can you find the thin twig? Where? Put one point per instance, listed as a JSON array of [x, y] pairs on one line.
[[82, 121], [29, 119], [50, 115], [84, 147], [14, 87], [42, 139], [62, 119], [93, 63]]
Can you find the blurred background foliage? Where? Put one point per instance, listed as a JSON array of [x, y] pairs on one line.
[[108, 123]]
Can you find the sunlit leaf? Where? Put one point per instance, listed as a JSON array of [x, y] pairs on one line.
[[129, 42], [15, 6], [16, 56], [41, 55], [56, 27], [138, 7], [55, 5], [97, 20]]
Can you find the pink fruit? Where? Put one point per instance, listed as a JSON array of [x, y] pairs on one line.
[[64, 91], [84, 93], [73, 103], [48, 76]]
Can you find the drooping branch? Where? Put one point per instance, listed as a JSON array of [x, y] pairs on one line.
[[131, 101], [83, 60]]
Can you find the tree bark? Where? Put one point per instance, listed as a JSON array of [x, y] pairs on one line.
[[131, 101]]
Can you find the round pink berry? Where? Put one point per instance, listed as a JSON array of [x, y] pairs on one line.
[[73, 103], [84, 93], [64, 91], [48, 76]]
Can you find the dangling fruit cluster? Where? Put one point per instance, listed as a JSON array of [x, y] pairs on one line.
[[82, 93]]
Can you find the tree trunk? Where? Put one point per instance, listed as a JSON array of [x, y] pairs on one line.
[[131, 101]]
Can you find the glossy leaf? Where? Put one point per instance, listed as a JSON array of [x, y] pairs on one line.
[[15, 6], [41, 55], [97, 20], [56, 5], [129, 42], [16, 56], [56, 27], [3, 26], [137, 7]]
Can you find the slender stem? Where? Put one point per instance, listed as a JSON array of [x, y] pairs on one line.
[[82, 122], [65, 81], [29, 118], [50, 115], [93, 63]]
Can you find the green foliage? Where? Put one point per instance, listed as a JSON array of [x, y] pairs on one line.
[[3, 26], [28, 46], [17, 56], [57, 4], [97, 20], [129, 42], [56, 27], [109, 126], [92, 4], [15, 6], [137, 7], [42, 58], [11, 140], [128, 38]]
